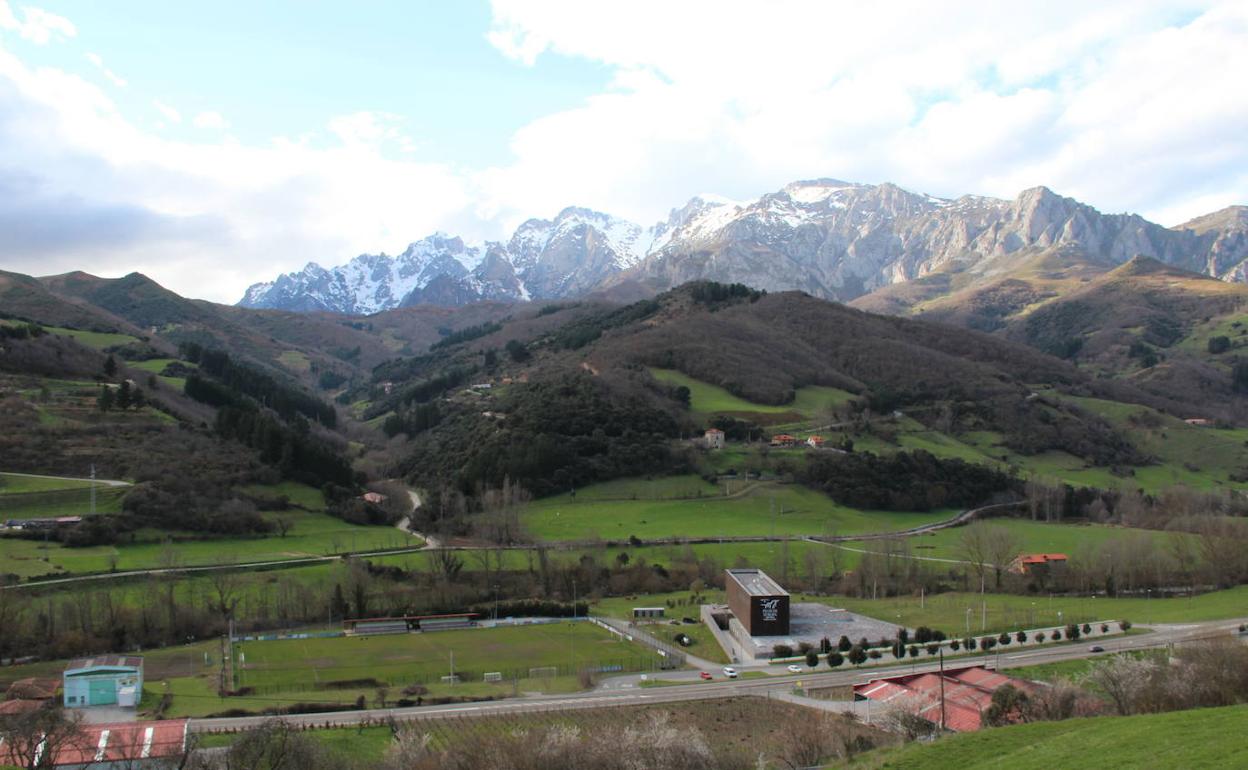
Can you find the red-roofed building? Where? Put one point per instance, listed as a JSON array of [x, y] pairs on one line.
[[815, 442], [1038, 563], [783, 439], [109, 745], [967, 694]]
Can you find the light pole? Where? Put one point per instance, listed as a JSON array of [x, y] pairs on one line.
[[968, 621]]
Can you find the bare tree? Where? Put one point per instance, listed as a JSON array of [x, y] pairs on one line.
[[37, 739], [1121, 679]]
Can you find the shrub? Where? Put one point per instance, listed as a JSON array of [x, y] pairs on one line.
[[1124, 625], [825, 645], [1021, 636], [812, 658], [970, 643], [1040, 637], [914, 650], [1004, 638], [781, 651], [955, 645], [1072, 632], [933, 648], [1057, 634], [804, 647], [987, 643], [875, 655], [844, 644], [1105, 628], [835, 659], [1087, 628]]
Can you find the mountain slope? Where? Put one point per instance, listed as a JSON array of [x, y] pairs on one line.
[[832, 239]]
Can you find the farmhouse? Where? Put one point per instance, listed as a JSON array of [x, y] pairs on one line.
[[1038, 563], [965, 694], [714, 439], [106, 680], [783, 439], [815, 442]]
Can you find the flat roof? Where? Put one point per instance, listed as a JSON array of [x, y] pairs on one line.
[[756, 582]]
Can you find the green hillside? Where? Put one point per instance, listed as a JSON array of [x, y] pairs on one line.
[[1201, 738]]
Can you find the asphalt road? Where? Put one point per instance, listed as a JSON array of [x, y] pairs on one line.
[[623, 692]]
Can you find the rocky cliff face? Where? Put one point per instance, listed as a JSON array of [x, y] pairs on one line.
[[832, 239]]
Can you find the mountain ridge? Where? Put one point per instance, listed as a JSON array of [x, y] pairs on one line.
[[833, 239]]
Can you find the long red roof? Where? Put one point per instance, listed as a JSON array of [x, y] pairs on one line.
[[116, 742], [968, 693]]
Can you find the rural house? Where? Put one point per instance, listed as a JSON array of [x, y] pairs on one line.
[[714, 439], [1038, 564]]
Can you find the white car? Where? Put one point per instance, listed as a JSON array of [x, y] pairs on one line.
[[794, 668], [730, 672]]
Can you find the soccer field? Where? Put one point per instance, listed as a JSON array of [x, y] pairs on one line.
[[422, 658]]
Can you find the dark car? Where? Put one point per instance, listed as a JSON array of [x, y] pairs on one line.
[[1096, 648]]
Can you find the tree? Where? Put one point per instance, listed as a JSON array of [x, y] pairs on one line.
[[1219, 344], [275, 745], [1121, 679], [123, 395], [812, 658], [1009, 706], [110, 366], [844, 644], [518, 352], [857, 655], [37, 739], [105, 400], [835, 659]]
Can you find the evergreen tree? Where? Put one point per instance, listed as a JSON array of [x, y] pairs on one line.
[[110, 366], [105, 399], [123, 395]]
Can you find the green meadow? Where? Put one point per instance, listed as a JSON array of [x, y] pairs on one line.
[[1201, 738], [762, 510]]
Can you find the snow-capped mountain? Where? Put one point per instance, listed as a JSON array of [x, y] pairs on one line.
[[832, 239]]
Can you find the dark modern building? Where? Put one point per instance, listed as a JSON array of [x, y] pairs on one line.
[[758, 602]]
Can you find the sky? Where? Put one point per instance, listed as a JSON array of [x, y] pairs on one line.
[[211, 146]]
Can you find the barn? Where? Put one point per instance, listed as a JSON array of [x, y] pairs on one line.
[[105, 680]]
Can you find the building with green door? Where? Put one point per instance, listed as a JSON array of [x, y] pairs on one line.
[[106, 680]]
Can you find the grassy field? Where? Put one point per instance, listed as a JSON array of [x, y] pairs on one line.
[[1034, 537], [1201, 738], [97, 340], [764, 510], [312, 534], [398, 660], [11, 483], [948, 612], [705, 398], [157, 365]]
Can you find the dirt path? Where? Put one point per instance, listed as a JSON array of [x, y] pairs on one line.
[[405, 523]]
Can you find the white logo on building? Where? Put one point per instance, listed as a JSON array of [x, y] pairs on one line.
[[771, 610]]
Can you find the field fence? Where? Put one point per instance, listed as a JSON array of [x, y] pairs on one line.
[[395, 680]]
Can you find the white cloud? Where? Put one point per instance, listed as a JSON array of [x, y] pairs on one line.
[[36, 24], [1130, 105], [211, 119], [170, 114], [111, 76]]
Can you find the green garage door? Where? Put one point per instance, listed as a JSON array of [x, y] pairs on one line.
[[102, 693]]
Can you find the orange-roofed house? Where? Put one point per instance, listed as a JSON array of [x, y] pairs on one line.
[[783, 439], [1038, 563], [815, 442]]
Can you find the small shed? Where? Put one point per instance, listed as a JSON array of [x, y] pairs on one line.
[[105, 680]]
